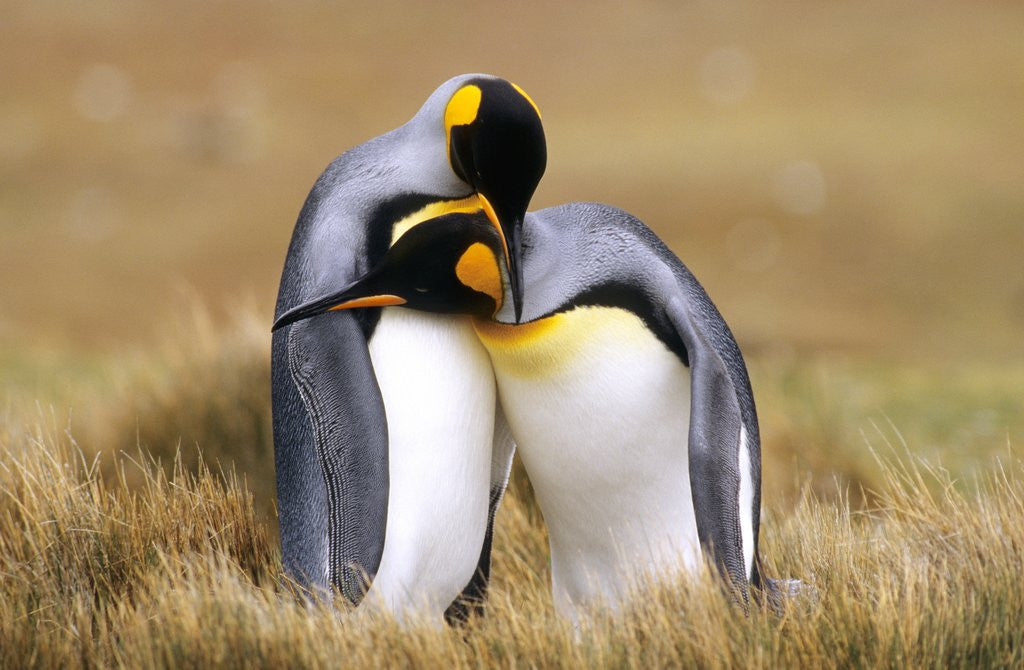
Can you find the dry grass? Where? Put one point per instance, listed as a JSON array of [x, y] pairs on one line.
[[112, 557], [176, 571], [202, 393]]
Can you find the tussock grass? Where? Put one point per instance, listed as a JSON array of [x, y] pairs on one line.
[[77, 550], [127, 549], [173, 569], [201, 394]]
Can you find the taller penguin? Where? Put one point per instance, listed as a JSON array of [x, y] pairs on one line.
[[384, 423]]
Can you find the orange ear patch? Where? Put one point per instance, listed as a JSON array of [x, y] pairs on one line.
[[461, 110], [478, 269], [463, 107]]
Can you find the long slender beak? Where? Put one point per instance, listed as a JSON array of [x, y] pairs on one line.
[[344, 299], [515, 270], [512, 245]]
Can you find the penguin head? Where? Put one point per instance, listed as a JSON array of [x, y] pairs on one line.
[[450, 264], [495, 143]]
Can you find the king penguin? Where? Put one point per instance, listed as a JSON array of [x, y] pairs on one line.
[[625, 391], [388, 457]]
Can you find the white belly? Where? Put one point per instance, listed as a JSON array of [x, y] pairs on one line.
[[439, 396], [600, 411]]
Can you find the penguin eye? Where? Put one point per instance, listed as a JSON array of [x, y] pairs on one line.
[[422, 290]]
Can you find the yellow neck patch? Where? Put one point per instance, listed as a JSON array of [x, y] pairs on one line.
[[501, 336], [560, 342], [478, 269], [433, 210], [538, 348]]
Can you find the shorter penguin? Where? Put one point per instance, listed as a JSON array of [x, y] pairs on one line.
[[625, 391]]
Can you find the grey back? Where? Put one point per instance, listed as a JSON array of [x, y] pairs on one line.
[[589, 253]]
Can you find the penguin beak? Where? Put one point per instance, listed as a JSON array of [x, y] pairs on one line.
[[352, 297], [503, 162], [511, 244]]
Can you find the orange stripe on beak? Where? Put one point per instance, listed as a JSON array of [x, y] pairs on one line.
[[370, 301], [489, 211]]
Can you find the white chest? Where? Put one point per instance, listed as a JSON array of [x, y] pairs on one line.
[[600, 411], [439, 396]]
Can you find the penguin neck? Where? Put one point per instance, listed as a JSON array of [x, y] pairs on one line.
[[544, 260], [561, 259], [347, 222], [409, 164], [464, 205], [580, 255]]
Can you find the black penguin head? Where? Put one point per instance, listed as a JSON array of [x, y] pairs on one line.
[[496, 145], [450, 265]]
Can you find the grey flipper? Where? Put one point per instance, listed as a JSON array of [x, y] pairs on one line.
[[471, 600], [714, 444], [346, 427], [301, 489], [327, 250]]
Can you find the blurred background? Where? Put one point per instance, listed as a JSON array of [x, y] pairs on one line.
[[846, 180]]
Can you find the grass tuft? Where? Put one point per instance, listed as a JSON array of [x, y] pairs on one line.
[[162, 567]]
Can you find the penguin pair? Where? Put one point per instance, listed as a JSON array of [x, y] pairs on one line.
[[623, 388], [621, 383], [390, 459]]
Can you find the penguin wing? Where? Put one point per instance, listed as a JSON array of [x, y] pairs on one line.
[[714, 445], [332, 454], [330, 436]]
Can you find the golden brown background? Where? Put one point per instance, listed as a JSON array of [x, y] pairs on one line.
[[839, 175], [846, 179]]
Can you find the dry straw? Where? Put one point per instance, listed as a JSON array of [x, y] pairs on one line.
[[150, 569]]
